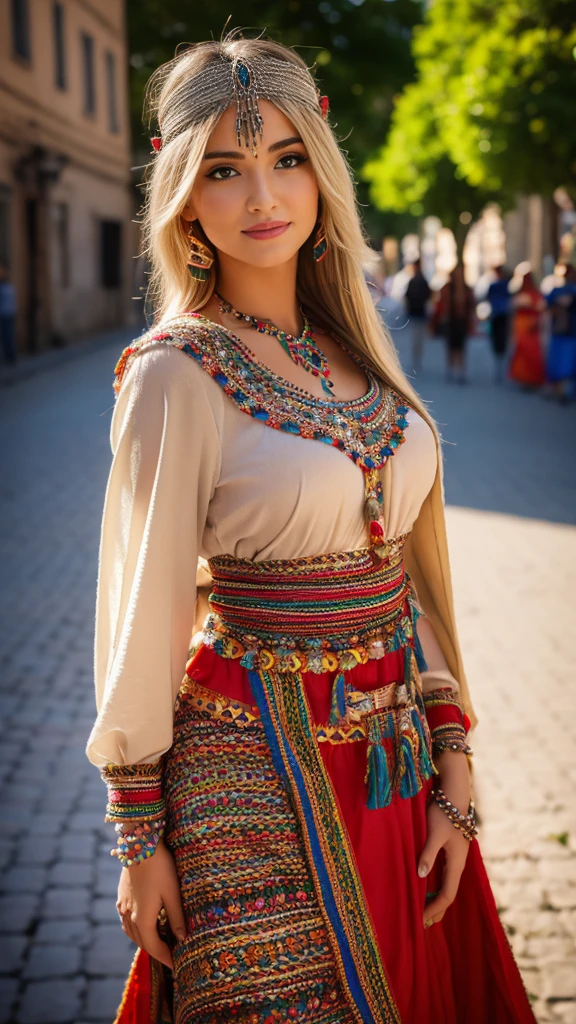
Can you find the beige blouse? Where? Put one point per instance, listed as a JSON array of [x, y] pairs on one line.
[[192, 475]]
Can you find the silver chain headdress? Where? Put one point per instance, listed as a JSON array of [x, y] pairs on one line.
[[244, 82]]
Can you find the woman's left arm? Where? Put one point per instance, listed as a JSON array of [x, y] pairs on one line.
[[448, 727]]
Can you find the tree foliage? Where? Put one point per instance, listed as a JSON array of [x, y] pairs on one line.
[[490, 114], [361, 49]]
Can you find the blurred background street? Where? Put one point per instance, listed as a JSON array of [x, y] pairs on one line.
[[457, 122]]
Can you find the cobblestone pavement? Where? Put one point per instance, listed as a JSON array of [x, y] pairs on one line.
[[512, 496]]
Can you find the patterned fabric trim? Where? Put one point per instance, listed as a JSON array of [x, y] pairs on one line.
[[134, 792], [448, 724], [290, 733], [368, 430]]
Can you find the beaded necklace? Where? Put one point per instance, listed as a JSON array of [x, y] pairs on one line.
[[369, 430], [301, 349]]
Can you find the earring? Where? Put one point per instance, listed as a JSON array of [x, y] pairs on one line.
[[201, 257], [320, 244]]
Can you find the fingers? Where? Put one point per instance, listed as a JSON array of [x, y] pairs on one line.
[[173, 906], [153, 945], [428, 856], [455, 860]]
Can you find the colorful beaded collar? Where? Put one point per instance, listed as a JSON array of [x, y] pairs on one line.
[[368, 429]]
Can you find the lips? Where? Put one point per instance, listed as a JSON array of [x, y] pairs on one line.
[[267, 229]]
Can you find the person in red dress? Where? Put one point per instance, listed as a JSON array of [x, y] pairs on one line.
[[527, 360]]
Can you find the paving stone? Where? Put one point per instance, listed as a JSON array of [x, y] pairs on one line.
[[35, 852], [559, 979], [51, 1002], [104, 909], [76, 930], [66, 902], [52, 961], [103, 998], [111, 951], [23, 879], [70, 874], [17, 912], [11, 952], [8, 993]]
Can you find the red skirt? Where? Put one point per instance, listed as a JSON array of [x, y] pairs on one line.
[[460, 971]]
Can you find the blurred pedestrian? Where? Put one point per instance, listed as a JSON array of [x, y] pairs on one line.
[[527, 363], [416, 298], [561, 361], [7, 316], [454, 319], [499, 299]]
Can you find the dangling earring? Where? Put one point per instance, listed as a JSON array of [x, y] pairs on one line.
[[320, 244], [201, 257]]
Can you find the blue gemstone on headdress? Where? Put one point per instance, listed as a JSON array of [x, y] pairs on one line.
[[243, 74]]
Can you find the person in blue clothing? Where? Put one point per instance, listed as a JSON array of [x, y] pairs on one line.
[[7, 316], [561, 360], [499, 299]]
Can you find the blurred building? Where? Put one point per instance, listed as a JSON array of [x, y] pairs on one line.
[[66, 202]]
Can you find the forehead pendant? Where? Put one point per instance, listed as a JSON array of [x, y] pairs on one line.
[[249, 122]]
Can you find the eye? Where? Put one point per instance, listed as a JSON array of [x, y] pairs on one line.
[[296, 157], [222, 173]]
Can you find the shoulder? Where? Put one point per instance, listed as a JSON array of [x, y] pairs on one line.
[[159, 353]]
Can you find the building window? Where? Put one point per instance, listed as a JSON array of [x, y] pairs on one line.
[[111, 88], [110, 253], [59, 57], [21, 29], [88, 72], [62, 237]]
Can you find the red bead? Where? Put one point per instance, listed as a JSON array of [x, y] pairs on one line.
[[376, 529]]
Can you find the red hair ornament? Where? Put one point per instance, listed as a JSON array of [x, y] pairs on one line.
[[324, 106], [156, 143]]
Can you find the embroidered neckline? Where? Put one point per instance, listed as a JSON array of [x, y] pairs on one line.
[[368, 429], [281, 381]]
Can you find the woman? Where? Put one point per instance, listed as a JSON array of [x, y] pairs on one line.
[[527, 362], [288, 850], [454, 317]]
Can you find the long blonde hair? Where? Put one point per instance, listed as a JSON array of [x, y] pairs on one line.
[[334, 291]]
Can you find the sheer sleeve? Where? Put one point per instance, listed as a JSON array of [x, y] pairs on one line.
[[166, 459]]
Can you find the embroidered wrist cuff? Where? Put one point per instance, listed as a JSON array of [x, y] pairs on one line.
[[134, 792], [447, 722]]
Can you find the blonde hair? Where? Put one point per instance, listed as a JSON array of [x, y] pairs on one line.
[[334, 291]]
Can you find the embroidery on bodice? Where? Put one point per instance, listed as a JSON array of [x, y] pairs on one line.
[[368, 429]]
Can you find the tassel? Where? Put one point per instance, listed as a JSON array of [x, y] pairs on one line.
[[380, 786], [338, 706], [426, 766], [409, 782], [420, 659]]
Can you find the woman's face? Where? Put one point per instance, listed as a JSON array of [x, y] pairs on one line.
[[256, 209]]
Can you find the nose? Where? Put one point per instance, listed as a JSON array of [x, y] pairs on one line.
[[261, 198]]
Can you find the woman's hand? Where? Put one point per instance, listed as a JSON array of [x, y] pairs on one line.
[[145, 888], [455, 781]]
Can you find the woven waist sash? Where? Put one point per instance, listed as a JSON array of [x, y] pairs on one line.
[[314, 614]]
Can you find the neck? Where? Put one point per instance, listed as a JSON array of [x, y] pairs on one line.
[[268, 293]]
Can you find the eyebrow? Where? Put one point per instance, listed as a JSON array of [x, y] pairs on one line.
[[230, 154]]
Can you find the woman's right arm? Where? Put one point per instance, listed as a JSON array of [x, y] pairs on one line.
[[166, 463]]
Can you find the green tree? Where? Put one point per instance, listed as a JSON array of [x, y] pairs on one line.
[[490, 113], [361, 49]]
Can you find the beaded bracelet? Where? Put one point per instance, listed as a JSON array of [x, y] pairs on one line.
[[138, 842], [465, 823]]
